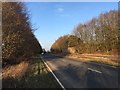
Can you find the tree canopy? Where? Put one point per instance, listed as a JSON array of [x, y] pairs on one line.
[[97, 35], [18, 39], [64, 42]]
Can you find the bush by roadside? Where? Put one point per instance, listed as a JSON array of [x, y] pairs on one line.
[[18, 39]]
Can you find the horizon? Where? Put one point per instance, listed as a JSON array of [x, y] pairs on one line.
[[55, 19]]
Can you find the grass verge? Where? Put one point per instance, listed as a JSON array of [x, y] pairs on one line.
[[104, 59], [36, 75]]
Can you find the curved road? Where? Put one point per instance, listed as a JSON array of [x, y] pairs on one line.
[[77, 74]]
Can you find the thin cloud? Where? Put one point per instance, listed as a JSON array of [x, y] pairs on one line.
[[64, 15], [60, 9]]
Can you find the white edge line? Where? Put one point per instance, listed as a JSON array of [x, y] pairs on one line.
[[54, 75], [94, 70]]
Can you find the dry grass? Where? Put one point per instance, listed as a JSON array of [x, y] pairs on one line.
[[15, 71], [28, 74], [100, 58]]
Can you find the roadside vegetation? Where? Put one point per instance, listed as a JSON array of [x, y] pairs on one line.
[[29, 74], [18, 40], [98, 36], [19, 46], [98, 58]]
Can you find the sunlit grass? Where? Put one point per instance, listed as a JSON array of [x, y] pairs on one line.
[[96, 59], [92, 58], [36, 76]]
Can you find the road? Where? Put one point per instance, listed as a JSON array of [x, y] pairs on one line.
[[77, 74]]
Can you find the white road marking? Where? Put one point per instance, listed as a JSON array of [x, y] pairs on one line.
[[94, 70], [54, 75]]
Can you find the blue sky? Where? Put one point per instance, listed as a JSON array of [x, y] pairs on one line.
[[54, 19]]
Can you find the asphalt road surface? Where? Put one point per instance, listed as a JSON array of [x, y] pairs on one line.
[[77, 74]]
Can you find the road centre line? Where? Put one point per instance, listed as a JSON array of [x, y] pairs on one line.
[[94, 70]]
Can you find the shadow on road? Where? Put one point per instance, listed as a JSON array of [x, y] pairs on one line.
[[77, 75]]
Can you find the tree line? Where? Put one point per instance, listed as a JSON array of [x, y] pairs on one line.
[[18, 39], [62, 44], [99, 35]]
